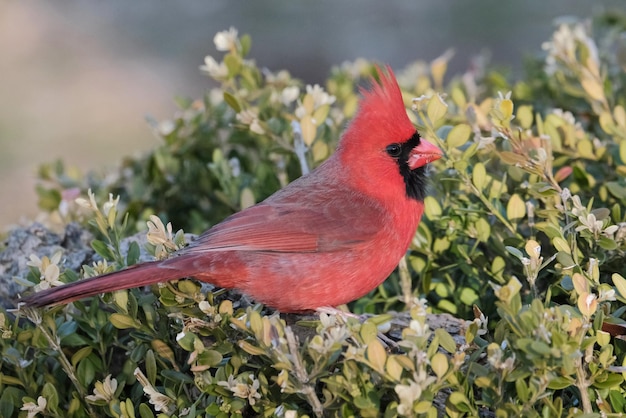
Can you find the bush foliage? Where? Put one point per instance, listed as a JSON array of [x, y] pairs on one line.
[[524, 237]]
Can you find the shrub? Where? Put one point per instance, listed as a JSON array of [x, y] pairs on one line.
[[524, 226]]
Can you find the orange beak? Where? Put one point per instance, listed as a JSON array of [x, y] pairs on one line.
[[423, 154]]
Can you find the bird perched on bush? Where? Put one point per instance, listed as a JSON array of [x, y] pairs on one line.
[[325, 239]]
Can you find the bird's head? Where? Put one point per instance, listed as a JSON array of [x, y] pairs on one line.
[[381, 146]]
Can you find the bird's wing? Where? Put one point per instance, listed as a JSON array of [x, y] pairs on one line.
[[312, 225]]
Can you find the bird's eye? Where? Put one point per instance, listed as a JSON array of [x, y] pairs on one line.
[[394, 150]]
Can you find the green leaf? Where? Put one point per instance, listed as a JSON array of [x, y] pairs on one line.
[[232, 101], [617, 189], [246, 43], [102, 249], [560, 382], [133, 254], [49, 392], [81, 354], [460, 402], [514, 251], [612, 380], [151, 367], [211, 358]]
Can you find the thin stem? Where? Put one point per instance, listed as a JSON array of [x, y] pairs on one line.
[[301, 374], [405, 282], [66, 365]]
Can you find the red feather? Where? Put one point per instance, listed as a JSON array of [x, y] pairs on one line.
[[326, 239]]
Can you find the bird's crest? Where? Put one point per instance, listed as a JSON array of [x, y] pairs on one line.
[[381, 113]]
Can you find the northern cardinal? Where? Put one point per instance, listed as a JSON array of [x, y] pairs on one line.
[[326, 239]]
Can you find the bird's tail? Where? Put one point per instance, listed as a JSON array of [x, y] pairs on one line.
[[135, 276]]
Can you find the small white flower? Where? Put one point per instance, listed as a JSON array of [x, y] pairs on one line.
[[289, 95], [49, 271], [250, 117], [243, 390], [408, 394], [291, 414], [166, 127], [213, 68], [606, 295], [103, 391], [226, 40], [32, 409], [111, 204], [160, 401], [421, 330], [320, 97], [88, 204], [506, 96]]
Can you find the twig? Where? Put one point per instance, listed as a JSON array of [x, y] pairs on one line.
[[66, 365], [300, 147], [302, 375]]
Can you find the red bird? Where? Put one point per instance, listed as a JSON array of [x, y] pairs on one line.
[[326, 239]]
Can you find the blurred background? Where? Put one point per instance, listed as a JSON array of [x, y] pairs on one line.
[[77, 79]]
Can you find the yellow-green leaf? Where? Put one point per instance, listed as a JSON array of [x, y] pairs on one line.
[[320, 114], [580, 283], [226, 307], [309, 130], [622, 151], [479, 176], [80, 354], [525, 116], [439, 364], [515, 208], [483, 230], [246, 198], [561, 245], [603, 338], [606, 122], [251, 349], [320, 151], [432, 209], [121, 321], [376, 355], [620, 284], [459, 135], [393, 368], [533, 249], [585, 149], [593, 88], [368, 332], [163, 350], [445, 340], [511, 158], [436, 109]]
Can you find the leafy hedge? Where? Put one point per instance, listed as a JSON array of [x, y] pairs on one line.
[[524, 236]]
